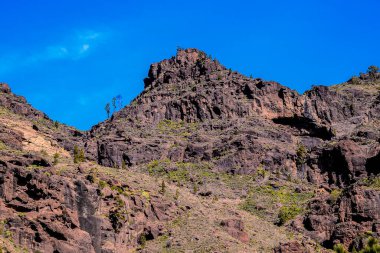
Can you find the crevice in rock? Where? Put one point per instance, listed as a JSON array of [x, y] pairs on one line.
[[19, 208], [248, 92], [22, 181], [41, 162], [303, 123], [334, 163], [57, 235], [127, 160], [35, 193], [372, 165]]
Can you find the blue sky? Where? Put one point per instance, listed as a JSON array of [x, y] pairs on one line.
[[69, 58]]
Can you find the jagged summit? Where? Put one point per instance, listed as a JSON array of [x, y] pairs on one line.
[[205, 158], [187, 64]]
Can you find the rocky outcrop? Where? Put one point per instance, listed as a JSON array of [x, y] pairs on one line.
[[344, 220], [193, 110], [235, 228], [17, 104], [70, 211]]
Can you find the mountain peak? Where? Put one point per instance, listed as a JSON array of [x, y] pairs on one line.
[[188, 63]]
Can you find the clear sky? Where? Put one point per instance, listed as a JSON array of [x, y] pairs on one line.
[[69, 58]]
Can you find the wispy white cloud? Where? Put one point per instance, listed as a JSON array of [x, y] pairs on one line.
[[76, 46]]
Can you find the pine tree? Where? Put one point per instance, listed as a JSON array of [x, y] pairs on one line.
[[108, 109]]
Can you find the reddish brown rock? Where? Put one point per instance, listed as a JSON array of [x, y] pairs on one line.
[[235, 228], [194, 110]]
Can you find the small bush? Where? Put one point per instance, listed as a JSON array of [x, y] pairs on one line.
[[102, 184], [287, 213], [78, 155], [301, 154], [339, 248], [142, 241], [373, 183], [123, 165], [372, 71], [146, 195], [2, 146], [163, 187], [372, 246], [355, 80], [56, 159], [334, 195]]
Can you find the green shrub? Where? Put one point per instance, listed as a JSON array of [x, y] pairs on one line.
[[157, 167], [264, 200], [287, 213], [372, 246], [301, 154], [102, 184], [339, 248], [78, 155], [142, 240], [56, 159], [163, 187], [334, 195], [123, 165], [2, 146], [373, 183], [146, 195]]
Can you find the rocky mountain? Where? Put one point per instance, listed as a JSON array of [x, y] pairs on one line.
[[203, 160]]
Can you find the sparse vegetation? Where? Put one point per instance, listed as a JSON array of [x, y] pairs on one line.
[[276, 203], [3, 146], [355, 80], [372, 71], [102, 184], [146, 195], [176, 128], [339, 248], [334, 195], [301, 154], [372, 246], [373, 183], [142, 241], [78, 155], [56, 159], [287, 213], [123, 165], [163, 187]]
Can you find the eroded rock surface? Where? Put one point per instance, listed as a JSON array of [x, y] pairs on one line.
[[194, 111]]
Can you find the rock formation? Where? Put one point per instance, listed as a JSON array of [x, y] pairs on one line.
[[205, 129]]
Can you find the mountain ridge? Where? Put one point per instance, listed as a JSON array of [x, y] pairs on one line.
[[252, 150]]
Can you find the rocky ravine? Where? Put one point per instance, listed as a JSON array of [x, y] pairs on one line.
[[252, 151]]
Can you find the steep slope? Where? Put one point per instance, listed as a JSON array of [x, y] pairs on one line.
[[194, 110], [205, 159], [48, 203]]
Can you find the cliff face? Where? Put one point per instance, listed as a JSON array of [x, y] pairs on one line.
[[308, 161]]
